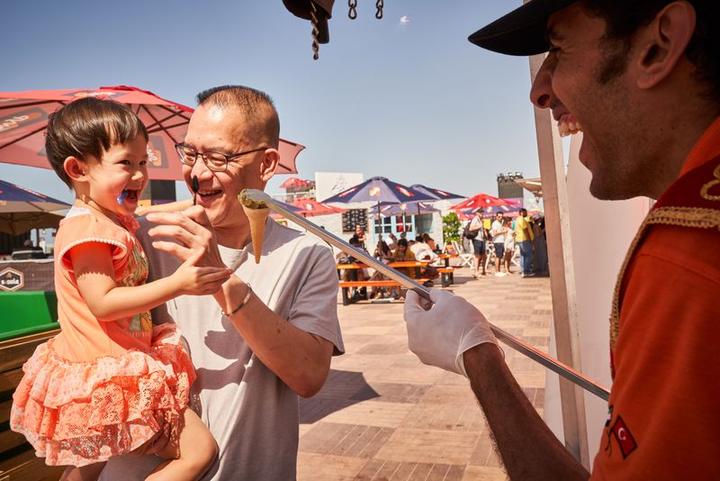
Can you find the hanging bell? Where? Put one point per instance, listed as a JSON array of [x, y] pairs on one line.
[[323, 11]]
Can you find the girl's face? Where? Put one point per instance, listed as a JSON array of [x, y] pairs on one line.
[[116, 181]]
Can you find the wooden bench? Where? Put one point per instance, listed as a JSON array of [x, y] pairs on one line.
[[17, 457], [347, 285], [447, 276]]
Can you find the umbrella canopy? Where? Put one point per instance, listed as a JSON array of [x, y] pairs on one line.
[[436, 193], [290, 207], [311, 207], [378, 189], [480, 201], [23, 119], [22, 209], [387, 209]]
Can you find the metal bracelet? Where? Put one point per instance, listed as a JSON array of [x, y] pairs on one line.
[[242, 304]]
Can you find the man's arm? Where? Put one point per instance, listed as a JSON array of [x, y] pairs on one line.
[[454, 335], [300, 359], [529, 450]]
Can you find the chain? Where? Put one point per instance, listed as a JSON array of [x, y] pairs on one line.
[[379, 6], [352, 13], [315, 31]]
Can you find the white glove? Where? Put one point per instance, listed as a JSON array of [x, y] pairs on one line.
[[441, 335]]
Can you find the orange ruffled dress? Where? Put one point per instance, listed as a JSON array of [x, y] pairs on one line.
[[101, 388]]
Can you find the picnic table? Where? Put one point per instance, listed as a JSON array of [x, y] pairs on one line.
[[353, 282]]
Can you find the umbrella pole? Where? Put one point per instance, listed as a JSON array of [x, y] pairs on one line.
[[515, 343]]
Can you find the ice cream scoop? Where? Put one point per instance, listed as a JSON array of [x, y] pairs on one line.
[[257, 214]]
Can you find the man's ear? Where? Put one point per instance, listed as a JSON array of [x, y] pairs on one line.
[[663, 43], [269, 164], [75, 168]]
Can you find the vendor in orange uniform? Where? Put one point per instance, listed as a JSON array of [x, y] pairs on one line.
[[641, 79]]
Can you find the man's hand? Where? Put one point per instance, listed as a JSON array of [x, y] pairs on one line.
[[188, 231], [440, 335]]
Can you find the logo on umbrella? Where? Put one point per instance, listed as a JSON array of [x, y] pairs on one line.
[[405, 192], [374, 192], [19, 118]]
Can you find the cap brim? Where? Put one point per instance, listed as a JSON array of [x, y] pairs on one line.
[[522, 31]]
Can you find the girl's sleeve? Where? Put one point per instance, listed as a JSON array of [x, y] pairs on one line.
[[83, 229]]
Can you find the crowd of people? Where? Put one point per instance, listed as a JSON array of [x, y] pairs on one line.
[[503, 242]]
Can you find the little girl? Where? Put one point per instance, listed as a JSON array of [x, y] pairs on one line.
[[110, 383]]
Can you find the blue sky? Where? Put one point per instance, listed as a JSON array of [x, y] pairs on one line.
[[415, 102]]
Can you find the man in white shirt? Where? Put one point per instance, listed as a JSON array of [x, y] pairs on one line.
[[269, 334], [497, 231]]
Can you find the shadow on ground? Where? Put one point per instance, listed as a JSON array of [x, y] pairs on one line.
[[342, 389]]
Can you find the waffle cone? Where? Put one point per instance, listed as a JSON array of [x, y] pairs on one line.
[[257, 218]]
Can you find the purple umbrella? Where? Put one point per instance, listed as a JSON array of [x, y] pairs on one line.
[[436, 194], [390, 209], [23, 209], [378, 189]]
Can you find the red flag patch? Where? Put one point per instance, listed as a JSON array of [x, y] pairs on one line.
[[624, 437]]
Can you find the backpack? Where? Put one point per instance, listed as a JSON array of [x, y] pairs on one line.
[[470, 234]]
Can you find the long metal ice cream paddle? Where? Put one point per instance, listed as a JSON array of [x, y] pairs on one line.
[[260, 198]]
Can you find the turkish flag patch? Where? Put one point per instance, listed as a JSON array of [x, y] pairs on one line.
[[624, 437]]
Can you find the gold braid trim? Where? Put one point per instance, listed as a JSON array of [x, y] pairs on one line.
[[677, 216]]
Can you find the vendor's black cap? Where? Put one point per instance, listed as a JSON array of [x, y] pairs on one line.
[[522, 31]]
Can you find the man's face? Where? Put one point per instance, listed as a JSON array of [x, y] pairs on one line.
[[223, 130], [498, 217], [583, 81]]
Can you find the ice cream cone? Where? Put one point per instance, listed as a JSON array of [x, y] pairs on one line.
[[257, 218]]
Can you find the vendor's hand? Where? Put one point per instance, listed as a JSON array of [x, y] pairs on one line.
[[188, 231], [194, 280], [440, 335]]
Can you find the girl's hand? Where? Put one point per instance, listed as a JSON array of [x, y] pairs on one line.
[[199, 280]]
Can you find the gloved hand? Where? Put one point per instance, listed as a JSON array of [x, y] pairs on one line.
[[441, 335]]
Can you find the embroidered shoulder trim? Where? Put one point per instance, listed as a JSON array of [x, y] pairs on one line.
[[677, 216]]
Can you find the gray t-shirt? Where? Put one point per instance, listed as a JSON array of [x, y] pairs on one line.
[[252, 414]]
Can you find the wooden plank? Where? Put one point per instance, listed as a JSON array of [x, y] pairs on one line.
[[10, 439], [9, 380], [14, 352], [5, 411], [562, 274], [26, 466]]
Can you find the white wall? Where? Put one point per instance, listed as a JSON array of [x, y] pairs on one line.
[[601, 234]]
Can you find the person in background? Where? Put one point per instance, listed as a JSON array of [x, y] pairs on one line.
[[498, 234], [524, 238], [476, 232], [509, 245]]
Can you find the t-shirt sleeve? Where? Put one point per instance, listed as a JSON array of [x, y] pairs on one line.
[[314, 309], [88, 229]]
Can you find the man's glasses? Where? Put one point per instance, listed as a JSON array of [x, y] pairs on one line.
[[215, 161]]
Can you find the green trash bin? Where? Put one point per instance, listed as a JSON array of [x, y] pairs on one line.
[[27, 312]]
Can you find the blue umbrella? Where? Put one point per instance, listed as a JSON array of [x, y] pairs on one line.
[[436, 194], [23, 209]]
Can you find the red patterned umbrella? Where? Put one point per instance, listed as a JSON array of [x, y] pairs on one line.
[[480, 201], [23, 119], [311, 207]]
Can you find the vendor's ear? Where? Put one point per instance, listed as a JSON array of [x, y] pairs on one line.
[[75, 168], [269, 164], [662, 44]]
